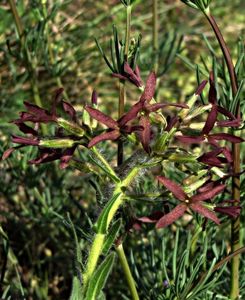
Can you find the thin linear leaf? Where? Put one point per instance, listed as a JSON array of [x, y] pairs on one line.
[[111, 236]]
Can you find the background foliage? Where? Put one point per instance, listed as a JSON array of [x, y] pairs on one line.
[[37, 248]]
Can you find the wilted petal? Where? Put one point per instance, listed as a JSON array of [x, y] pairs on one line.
[[69, 109], [149, 90], [227, 137], [173, 187], [131, 114], [199, 208], [212, 117], [190, 139], [171, 217], [209, 194], [110, 135], [201, 87], [101, 117]]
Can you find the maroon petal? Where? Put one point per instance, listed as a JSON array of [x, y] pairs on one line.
[[227, 154], [227, 137], [226, 113], [212, 117], [69, 109], [171, 122], [149, 90], [35, 109], [66, 157], [57, 99], [190, 139], [201, 87], [110, 135], [212, 96], [130, 129], [199, 208], [94, 98], [26, 129], [157, 106], [229, 123], [153, 218], [209, 194], [173, 187], [145, 134], [101, 117], [133, 76], [47, 155], [9, 151], [119, 76], [171, 217], [24, 141], [131, 114], [231, 211]]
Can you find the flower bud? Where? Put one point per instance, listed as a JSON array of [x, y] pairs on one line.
[[71, 127], [203, 5], [57, 143]]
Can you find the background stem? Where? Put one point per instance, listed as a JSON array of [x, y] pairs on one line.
[[127, 272], [155, 33], [235, 223]]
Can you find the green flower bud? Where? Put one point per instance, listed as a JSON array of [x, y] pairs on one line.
[[203, 5], [57, 143], [71, 127]]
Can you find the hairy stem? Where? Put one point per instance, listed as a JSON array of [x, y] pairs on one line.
[[235, 224], [127, 272]]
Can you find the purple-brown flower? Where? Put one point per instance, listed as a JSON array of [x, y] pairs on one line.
[[195, 203], [131, 75]]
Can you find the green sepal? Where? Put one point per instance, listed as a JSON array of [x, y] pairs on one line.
[[76, 291], [99, 278], [111, 236], [163, 141]]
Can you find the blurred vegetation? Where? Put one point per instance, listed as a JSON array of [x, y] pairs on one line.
[[36, 254]]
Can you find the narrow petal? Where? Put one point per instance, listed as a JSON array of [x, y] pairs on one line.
[[149, 90], [173, 187], [229, 123], [35, 109], [69, 109], [199, 208], [171, 121], [57, 99], [209, 194], [145, 134], [26, 129], [201, 87], [94, 98], [171, 217], [212, 117], [226, 113], [110, 135], [9, 151], [190, 139], [24, 140], [101, 117], [153, 218], [47, 155], [212, 96], [157, 106], [231, 211], [119, 76], [227, 137], [131, 114], [66, 157]]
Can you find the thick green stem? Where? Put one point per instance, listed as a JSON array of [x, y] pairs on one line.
[[235, 224], [97, 244], [155, 33], [127, 272]]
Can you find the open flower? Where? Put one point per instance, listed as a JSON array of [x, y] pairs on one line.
[[195, 203]]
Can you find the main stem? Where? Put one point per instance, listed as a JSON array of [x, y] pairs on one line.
[[235, 224]]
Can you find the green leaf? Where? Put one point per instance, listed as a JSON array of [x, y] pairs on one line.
[[103, 222], [99, 277], [110, 238], [76, 292]]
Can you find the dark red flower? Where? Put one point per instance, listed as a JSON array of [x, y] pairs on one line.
[[129, 74], [195, 203]]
